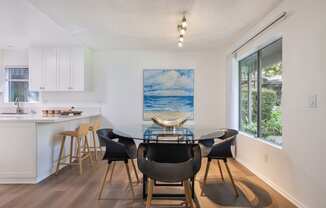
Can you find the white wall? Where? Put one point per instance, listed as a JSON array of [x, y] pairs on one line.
[[15, 58], [124, 83], [298, 169]]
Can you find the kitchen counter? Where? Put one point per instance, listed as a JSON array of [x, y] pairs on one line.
[[30, 145], [40, 119]]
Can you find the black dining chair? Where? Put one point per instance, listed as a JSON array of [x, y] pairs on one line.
[[220, 151], [118, 148], [169, 162]]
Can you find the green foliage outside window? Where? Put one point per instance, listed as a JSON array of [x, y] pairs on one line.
[[270, 113]]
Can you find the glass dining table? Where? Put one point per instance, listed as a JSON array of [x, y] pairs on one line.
[[156, 134]]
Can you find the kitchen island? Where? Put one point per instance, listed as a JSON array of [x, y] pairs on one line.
[[30, 145]]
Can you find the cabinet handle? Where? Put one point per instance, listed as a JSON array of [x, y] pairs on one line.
[[42, 88], [70, 88]]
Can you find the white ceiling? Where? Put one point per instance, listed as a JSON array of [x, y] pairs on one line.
[[130, 24], [22, 25]]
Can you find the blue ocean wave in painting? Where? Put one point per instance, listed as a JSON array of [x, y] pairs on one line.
[[168, 103]]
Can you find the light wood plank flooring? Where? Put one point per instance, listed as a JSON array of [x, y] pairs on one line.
[[69, 190]]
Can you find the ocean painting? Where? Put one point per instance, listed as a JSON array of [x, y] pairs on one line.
[[168, 93]]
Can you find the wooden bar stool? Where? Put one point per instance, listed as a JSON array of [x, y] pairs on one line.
[[96, 143], [83, 150]]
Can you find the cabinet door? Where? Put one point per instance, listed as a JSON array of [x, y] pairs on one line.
[[50, 69], [35, 69], [77, 69], [64, 68]]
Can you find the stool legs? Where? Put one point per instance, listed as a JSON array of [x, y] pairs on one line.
[[88, 153], [95, 147], [71, 149], [79, 155], [60, 154]]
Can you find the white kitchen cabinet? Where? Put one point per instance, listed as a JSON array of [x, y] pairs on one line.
[[64, 68], [50, 67], [57, 69], [78, 62], [36, 69]]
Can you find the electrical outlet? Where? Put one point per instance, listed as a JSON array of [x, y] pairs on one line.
[[312, 101]]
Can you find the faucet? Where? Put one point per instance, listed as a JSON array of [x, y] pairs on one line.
[[18, 108]]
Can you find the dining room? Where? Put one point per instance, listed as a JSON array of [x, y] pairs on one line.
[[188, 103]]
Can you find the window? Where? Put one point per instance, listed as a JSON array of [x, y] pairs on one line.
[[17, 86], [260, 87]]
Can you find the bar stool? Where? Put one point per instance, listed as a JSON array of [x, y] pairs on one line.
[[83, 150], [96, 145]]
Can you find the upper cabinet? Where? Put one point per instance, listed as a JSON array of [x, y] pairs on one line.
[[57, 69]]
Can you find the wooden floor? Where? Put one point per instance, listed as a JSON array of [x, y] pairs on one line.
[[68, 189]]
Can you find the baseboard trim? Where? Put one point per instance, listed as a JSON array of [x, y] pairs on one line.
[[277, 188], [18, 181]]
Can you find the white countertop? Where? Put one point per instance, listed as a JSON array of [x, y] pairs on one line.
[[41, 119]]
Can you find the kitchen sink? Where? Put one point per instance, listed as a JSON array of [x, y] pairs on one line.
[[13, 114]]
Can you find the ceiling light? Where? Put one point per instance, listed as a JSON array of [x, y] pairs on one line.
[[182, 30], [181, 39], [184, 22]]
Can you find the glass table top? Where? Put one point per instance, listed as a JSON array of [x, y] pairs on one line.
[[157, 133]]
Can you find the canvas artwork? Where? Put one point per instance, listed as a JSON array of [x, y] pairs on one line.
[[168, 93]]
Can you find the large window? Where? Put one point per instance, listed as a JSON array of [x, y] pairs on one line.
[[17, 86], [260, 81]]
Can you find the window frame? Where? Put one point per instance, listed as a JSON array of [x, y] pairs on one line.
[[259, 71], [6, 88]]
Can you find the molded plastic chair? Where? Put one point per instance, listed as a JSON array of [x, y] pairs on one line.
[[118, 148], [167, 162], [220, 151]]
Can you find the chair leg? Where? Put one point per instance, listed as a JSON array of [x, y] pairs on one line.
[[233, 184], [150, 187], [103, 182], [188, 193], [129, 177], [113, 166], [134, 167], [79, 155], [100, 148], [206, 171], [60, 154], [71, 149], [219, 167], [95, 147]]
